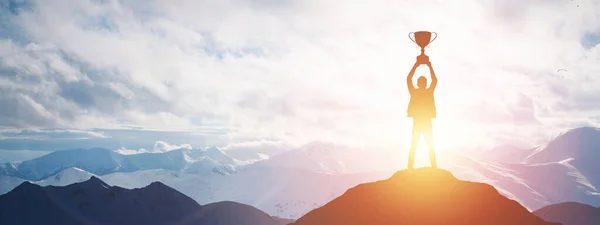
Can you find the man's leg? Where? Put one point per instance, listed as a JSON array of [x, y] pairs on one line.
[[428, 133], [416, 135]]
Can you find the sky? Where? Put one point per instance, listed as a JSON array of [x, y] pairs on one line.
[[281, 73]]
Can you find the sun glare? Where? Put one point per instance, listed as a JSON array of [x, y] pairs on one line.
[[447, 137]]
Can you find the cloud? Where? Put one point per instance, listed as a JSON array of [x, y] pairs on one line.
[[41, 134], [294, 71], [63, 139], [161, 146]]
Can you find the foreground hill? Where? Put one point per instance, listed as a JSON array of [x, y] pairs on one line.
[[95, 202], [570, 213], [421, 196]]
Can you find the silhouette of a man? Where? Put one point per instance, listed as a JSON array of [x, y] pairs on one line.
[[422, 109]]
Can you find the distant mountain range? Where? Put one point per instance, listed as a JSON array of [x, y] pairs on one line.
[[287, 193], [290, 184], [419, 196], [328, 158], [95, 202], [103, 161]]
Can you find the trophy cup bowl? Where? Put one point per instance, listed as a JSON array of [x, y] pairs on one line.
[[422, 38]]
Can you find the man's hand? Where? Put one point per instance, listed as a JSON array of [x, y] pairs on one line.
[[422, 59], [428, 64]]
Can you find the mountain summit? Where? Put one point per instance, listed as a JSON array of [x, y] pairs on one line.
[[421, 196]]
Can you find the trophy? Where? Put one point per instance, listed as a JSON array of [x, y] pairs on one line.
[[422, 39]]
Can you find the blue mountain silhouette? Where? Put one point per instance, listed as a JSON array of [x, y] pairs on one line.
[[96, 203]]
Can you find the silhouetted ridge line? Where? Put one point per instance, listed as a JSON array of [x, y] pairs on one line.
[[421, 196], [93, 202]]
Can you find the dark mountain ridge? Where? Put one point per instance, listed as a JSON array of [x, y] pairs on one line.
[[93, 202]]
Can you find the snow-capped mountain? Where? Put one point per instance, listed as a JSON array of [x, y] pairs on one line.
[[556, 182], [581, 146], [536, 185], [103, 161], [220, 156], [63, 178], [291, 183], [332, 159], [97, 161], [532, 185], [66, 177]]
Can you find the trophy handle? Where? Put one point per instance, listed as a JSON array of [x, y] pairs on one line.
[[413, 35], [433, 37]]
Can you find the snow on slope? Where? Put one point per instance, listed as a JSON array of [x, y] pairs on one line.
[[8, 183], [557, 182], [63, 178], [581, 146], [503, 179], [289, 184], [97, 161], [103, 161], [69, 176], [534, 186], [220, 156], [289, 193]]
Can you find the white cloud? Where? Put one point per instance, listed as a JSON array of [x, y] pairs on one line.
[[298, 71], [161, 146]]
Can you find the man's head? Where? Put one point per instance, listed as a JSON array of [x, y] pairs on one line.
[[422, 82]]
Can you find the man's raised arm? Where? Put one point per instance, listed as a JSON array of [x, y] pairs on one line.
[[433, 77], [409, 79]]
